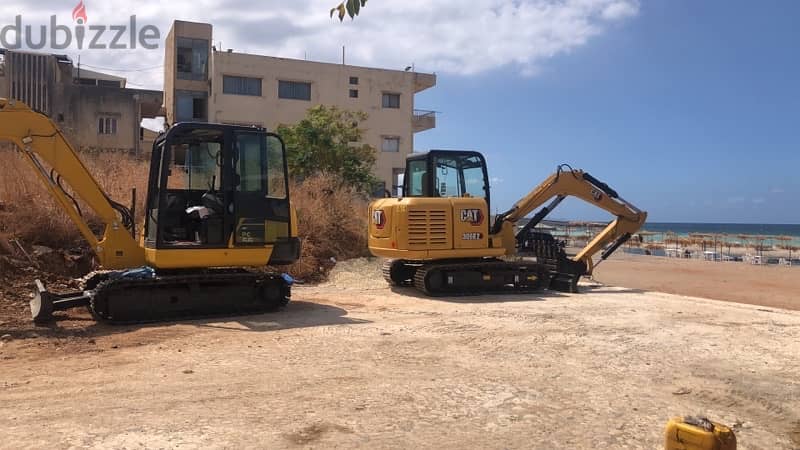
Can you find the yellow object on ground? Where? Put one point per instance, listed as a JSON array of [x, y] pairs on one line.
[[698, 433]]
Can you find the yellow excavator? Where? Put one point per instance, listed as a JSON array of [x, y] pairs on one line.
[[217, 207], [438, 237]]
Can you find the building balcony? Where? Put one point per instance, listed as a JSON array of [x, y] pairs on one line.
[[423, 120], [424, 81]]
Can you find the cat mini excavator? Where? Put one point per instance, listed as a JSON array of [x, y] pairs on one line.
[[438, 236], [217, 206]]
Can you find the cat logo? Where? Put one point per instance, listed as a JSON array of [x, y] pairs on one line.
[[597, 195], [378, 219], [473, 216]]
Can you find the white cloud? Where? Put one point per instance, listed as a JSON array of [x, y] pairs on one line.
[[495, 180], [777, 190], [448, 36], [620, 10], [758, 200]]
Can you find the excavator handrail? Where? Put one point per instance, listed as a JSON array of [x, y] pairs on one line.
[[40, 140], [580, 184]]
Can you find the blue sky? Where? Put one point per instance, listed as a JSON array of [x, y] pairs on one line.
[[690, 109]]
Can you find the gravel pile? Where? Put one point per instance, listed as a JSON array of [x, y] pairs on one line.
[[358, 273]]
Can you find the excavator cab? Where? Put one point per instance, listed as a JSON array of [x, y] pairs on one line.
[[443, 173], [219, 191]]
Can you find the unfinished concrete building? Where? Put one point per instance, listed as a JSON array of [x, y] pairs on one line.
[[95, 110]]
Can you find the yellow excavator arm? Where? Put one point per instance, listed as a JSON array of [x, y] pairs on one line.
[[55, 162], [575, 183]]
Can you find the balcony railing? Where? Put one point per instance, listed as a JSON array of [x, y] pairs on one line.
[[423, 120]]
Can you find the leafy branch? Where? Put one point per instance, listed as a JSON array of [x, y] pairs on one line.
[[349, 7]]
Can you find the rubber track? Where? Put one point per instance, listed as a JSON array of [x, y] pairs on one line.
[[485, 266], [386, 269], [105, 290]]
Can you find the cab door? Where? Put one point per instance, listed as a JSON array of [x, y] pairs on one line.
[[461, 177], [261, 202]]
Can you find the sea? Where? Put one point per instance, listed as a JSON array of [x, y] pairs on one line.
[[732, 230]]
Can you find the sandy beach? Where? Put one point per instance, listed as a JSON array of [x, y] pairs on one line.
[[765, 285]]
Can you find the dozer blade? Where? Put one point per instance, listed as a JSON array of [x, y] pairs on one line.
[[44, 302]]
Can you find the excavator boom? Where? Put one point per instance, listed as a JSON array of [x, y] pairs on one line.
[[557, 187], [577, 183], [56, 164]]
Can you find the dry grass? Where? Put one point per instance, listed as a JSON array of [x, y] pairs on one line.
[[31, 214], [332, 223], [332, 220]]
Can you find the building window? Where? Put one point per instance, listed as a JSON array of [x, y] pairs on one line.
[[107, 125], [109, 83], [353, 80], [379, 189], [391, 100], [191, 106], [390, 144], [353, 93], [295, 90], [241, 85], [199, 109], [192, 59]]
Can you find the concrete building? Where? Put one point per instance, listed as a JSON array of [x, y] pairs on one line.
[[203, 83], [94, 110]]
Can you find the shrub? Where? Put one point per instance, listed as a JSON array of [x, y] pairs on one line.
[[31, 214], [332, 224]]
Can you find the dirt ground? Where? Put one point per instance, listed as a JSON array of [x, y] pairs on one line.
[[353, 363], [765, 285]]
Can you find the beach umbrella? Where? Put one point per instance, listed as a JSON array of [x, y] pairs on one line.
[[760, 244], [685, 242], [671, 238], [718, 239], [745, 238], [792, 248], [785, 244], [725, 241]]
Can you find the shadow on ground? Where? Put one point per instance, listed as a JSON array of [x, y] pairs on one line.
[[604, 289], [509, 297], [78, 323]]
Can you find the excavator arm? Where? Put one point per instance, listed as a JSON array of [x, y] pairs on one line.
[[576, 183], [55, 163]]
